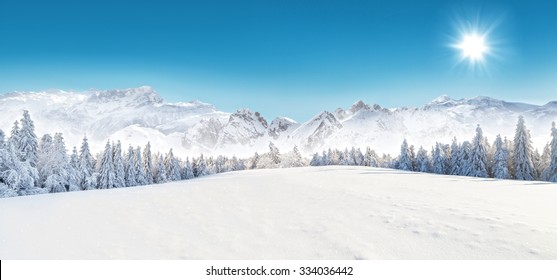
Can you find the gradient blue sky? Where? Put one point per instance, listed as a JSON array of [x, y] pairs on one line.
[[291, 58]]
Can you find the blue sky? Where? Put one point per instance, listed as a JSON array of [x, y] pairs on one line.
[[290, 58]]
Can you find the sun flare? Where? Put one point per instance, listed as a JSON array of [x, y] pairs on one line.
[[473, 47]]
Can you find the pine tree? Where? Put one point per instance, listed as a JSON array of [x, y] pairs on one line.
[[351, 157], [545, 160], [16, 177], [107, 177], [537, 163], [500, 160], [200, 167], [140, 174], [187, 170], [220, 164], [315, 160], [479, 156], [172, 167], [148, 163], [86, 166], [74, 180], [130, 168], [211, 169], [550, 173], [522, 157], [359, 157], [28, 143], [422, 160], [325, 159], [438, 163], [45, 146], [274, 153], [404, 161], [297, 162], [464, 157], [160, 171], [14, 135], [119, 170], [371, 158], [254, 161], [56, 168], [455, 161], [2, 139]]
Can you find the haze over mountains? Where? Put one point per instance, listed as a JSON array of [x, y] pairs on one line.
[[137, 115]]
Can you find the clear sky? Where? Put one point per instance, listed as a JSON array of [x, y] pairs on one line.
[[290, 58]]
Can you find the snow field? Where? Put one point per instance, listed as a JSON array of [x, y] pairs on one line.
[[330, 212]]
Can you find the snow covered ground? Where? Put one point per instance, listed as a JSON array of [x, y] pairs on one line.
[[302, 213]]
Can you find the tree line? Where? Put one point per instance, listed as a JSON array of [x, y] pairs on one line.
[[29, 165], [32, 166], [504, 159]]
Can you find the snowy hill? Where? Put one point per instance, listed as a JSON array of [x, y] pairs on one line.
[[138, 115], [347, 213]]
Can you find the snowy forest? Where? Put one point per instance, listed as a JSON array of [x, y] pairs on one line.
[[29, 165], [504, 159]]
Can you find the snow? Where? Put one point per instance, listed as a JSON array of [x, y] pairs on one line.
[[299, 213], [135, 114]]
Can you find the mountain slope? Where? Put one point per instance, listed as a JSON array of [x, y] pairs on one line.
[[138, 115], [295, 213]]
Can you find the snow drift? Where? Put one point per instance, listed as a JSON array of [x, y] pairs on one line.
[[297, 213]]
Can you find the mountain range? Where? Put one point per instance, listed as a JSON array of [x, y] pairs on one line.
[[137, 115]]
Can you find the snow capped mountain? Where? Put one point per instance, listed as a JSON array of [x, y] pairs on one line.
[[135, 116], [243, 127], [282, 126], [317, 130]]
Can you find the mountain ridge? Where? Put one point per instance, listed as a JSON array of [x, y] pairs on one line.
[[138, 115]]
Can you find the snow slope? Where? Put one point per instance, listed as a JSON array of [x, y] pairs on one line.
[[301, 213]]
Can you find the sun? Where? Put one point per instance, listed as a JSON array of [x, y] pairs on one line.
[[473, 47]]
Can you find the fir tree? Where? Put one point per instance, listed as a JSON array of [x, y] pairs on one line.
[[14, 136], [119, 170], [140, 174], [315, 160], [86, 166], [160, 171], [522, 157], [187, 170], [325, 159], [274, 153], [371, 158], [479, 156], [550, 173], [74, 180], [464, 157], [220, 164], [455, 161], [404, 161], [422, 160], [130, 168], [438, 162], [27, 140], [57, 175], [254, 161], [148, 163], [107, 177], [2, 139], [200, 167], [500, 160], [297, 161], [172, 167]]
